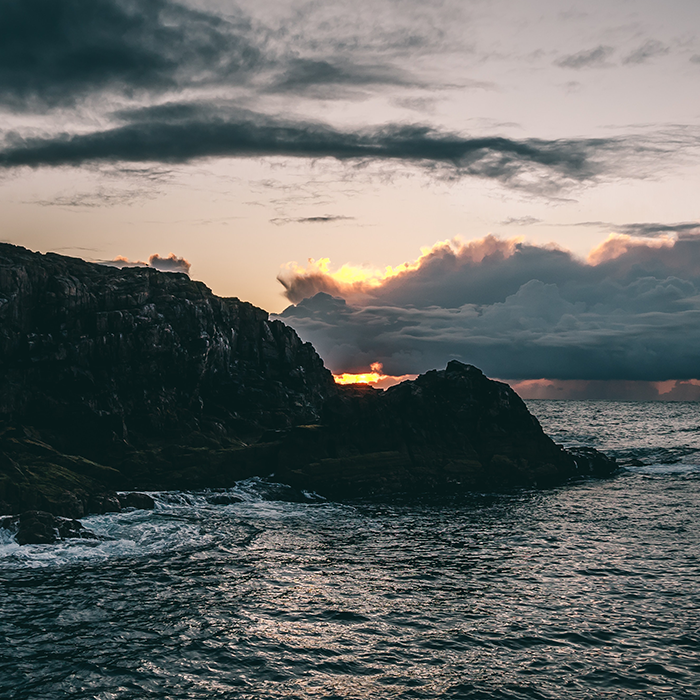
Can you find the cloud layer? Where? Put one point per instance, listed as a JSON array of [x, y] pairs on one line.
[[518, 311], [118, 81], [181, 133]]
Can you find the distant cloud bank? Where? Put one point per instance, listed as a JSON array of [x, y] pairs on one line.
[[631, 312]]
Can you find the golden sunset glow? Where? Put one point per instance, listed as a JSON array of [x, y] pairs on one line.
[[354, 275], [366, 378], [374, 378], [356, 279], [617, 244]]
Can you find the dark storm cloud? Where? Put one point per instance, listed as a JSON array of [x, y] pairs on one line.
[[518, 311], [84, 55], [647, 50], [53, 52], [59, 52], [591, 58], [327, 219], [180, 133]]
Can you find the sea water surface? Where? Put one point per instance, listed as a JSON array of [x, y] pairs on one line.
[[590, 590]]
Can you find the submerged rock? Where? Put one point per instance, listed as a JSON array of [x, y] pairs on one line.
[[38, 527], [104, 503]]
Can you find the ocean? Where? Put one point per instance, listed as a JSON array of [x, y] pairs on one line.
[[589, 590]]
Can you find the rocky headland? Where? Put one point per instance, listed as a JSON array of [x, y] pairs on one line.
[[122, 380]]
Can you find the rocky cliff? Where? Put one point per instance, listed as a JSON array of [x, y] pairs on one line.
[[133, 351], [133, 378], [452, 429], [119, 365]]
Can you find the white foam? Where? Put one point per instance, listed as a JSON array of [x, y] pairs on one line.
[[178, 521], [126, 534]]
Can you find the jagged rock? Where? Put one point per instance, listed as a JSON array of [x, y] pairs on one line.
[[140, 501], [96, 354], [38, 527], [590, 462], [448, 429], [104, 503], [127, 378]]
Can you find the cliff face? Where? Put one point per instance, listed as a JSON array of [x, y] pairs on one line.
[[134, 354], [139, 379]]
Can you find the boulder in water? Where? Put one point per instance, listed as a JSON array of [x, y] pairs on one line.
[[38, 527], [140, 501], [590, 462]]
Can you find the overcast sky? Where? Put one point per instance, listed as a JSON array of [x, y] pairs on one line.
[[555, 145]]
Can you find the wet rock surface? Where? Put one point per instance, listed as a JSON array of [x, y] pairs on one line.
[[134, 379], [39, 527], [140, 501], [591, 462], [223, 499]]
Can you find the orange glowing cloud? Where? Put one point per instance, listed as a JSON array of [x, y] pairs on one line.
[[517, 310], [374, 378], [357, 281], [618, 244]]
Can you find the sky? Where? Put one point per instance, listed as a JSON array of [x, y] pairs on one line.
[[511, 184]]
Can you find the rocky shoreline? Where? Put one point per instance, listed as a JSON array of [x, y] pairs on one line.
[[134, 380]]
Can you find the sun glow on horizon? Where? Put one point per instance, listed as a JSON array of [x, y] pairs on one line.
[[374, 378]]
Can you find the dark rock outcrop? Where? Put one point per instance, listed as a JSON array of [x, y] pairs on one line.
[[140, 501], [130, 354], [38, 527], [448, 429], [122, 379], [590, 462], [36, 476]]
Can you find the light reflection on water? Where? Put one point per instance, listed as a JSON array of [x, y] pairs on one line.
[[590, 590], [654, 432], [587, 591]]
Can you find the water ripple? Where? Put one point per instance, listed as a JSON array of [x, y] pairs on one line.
[[586, 591]]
